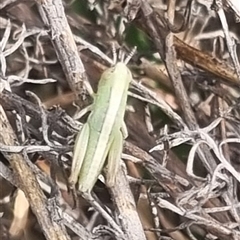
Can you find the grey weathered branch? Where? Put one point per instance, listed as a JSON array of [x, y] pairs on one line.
[[29, 184], [52, 13]]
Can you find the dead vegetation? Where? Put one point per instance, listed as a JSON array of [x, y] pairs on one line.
[[181, 158]]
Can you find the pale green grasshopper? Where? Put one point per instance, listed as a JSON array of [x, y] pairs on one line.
[[100, 141]]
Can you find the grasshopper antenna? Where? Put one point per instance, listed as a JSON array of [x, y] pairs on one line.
[[114, 51], [121, 55], [130, 55]]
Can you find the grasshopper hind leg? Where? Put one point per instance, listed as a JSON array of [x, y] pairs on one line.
[[80, 149], [114, 158]]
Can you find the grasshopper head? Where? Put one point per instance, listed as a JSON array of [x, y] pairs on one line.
[[121, 69]]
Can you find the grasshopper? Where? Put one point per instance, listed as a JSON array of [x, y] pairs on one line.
[[100, 141]]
